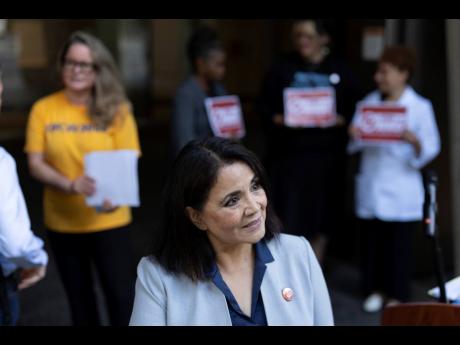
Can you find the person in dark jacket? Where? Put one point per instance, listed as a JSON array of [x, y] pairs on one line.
[[307, 166], [189, 118]]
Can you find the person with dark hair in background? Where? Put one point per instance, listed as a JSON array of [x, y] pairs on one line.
[[307, 166], [91, 113], [189, 119], [218, 257], [23, 259], [389, 185]]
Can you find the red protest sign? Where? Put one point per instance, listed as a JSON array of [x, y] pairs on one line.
[[381, 123], [225, 116], [309, 107]]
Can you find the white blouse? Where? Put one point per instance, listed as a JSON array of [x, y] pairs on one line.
[[389, 185]]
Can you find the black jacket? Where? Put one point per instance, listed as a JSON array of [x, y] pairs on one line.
[[292, 71]]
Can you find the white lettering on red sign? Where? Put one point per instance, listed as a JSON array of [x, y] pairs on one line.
[[381, 123], [309, 107], [225, 116]]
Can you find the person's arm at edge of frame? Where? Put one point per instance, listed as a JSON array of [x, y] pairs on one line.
[[17, 241]]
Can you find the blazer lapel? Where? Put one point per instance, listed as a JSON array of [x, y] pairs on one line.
[[277, 309]]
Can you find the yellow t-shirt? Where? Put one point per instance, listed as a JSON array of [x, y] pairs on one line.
[[64, 133]]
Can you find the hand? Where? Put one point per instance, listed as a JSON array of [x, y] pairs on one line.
[[412, 139], [340, 121], [108, 207], [409, 137], [278, 119], [234, 137], [83, 185], [30, 276], [354, 132]]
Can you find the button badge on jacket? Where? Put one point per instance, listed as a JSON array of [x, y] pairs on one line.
[[288, 294]]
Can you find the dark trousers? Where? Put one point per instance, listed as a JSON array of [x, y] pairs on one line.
[[386, 251], [308, 192], [110, 252], [9, 300]]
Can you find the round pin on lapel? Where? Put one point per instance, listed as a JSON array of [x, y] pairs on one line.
[[288, 294]]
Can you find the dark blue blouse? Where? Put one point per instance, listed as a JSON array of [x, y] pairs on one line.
[[258, 317]]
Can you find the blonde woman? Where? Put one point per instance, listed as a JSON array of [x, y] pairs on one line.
[[91, 113]]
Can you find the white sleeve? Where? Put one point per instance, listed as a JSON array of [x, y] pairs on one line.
[[149, 303], [322, 312], [428, 136], [17, 241], [354, 145]]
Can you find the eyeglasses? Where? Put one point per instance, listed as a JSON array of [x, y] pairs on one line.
[[84, 67]]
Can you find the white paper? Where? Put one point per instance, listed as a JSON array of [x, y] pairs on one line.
[[116, 177], [373, 43], [452, 290]]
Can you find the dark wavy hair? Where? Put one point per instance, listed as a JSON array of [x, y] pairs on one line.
[[201, 43], [179, 246]]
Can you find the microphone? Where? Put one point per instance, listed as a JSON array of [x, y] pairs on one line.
[[430, 208]]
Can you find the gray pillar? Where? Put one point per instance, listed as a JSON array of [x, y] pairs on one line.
[[392, 31], [453, 76], [414, 39]]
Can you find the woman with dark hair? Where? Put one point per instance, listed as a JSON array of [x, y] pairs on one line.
[[219, 258], [189, 119], [91, 113], [307, 165], [389, 186]]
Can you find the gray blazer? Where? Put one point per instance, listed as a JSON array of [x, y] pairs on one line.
[[166, 299], [189, 119]]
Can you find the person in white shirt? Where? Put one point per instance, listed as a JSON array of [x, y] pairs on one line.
[[389, 192], [19, 247]]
